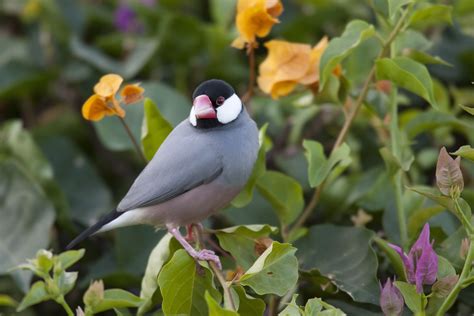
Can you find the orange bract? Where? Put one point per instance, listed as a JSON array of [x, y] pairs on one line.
[[95, 108], [108, 85], [289, 64], [132, 93], [103, 102], [255, 18]]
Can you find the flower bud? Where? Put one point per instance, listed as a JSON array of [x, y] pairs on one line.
[[94, 294], [448, 174], [391, 300], [44, 260]]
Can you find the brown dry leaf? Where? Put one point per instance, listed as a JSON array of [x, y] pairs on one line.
[[448, 173]]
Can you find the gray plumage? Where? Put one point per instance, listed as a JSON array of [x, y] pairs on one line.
[[194, 173]]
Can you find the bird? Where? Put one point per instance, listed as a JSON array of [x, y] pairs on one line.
[[200, 167]]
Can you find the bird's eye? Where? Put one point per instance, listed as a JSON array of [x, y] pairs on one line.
[[220, 100]]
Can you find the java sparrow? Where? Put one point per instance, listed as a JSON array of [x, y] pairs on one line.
[[200, 167]]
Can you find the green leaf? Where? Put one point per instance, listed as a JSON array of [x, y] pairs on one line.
[[222, 12], [407, 74], [27, 216], [19, 79], [248, 305], [240, 241], [275, 271], [313, 307], [393, 256], [467, 108], [351, 266], [339, 48], [173, 105], [215, 309], [431, 15], [117, 298], [284, 194], [465, 152], [389, 8], [447, 202], [450, 248], [424, 58], [320, 167], [430, 121], [417, 219], [77, 177], [245, 196], [445, 268], [6, 300], [66, 281], [157, 259], [155, 129], [415, 302], [35, 295], [292, 308], [194, 281], [143, 51], [70, 257]]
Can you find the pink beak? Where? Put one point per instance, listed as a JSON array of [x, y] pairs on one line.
[[203, 107]]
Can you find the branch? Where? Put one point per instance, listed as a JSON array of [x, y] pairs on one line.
[[350, 118], [132, 138], [251, 54]]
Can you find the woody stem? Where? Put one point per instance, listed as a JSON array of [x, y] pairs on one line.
[[251, 54], [132, 138], [350, 118]]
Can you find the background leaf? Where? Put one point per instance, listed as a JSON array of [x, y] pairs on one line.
[[351, 266], [284, 194]]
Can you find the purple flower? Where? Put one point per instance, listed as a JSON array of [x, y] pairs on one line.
[[391, 300], [126, 19], [421, 263]]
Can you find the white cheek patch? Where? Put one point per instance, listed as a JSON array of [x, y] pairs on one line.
[[192, 117], [230, 110]]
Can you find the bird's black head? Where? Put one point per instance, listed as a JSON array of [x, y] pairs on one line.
[[214, 104]]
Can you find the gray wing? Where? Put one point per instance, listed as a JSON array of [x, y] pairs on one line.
[[184, 161]]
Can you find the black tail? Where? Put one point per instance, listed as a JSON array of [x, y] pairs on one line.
[[107, 218]]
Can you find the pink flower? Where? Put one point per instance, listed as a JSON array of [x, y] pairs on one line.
[[421, 263]]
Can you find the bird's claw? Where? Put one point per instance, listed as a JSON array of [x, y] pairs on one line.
[[208, 255]]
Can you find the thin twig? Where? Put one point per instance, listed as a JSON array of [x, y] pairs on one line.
[[348, 122], [251, 54], [132, 138]]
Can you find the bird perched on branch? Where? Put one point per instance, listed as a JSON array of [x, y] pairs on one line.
[[200, 167]]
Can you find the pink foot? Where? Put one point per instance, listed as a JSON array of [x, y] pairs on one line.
[[207, 255]]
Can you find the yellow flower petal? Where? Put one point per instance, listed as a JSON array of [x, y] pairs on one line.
[[132, 93], [284, 66], [255, 18], [95, 108], [312, 75], [108, 85]]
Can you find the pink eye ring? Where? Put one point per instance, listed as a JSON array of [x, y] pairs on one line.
[[220, 100]]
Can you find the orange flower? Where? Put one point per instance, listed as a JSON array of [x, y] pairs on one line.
[[289, 64], [255, 18], [104, 102], [132, 93]]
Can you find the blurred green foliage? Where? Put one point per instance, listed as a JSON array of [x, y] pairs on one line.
[[59, 173]]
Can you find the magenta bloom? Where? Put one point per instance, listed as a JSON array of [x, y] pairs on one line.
[[126, 19], [421, 263], [391, 300]]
